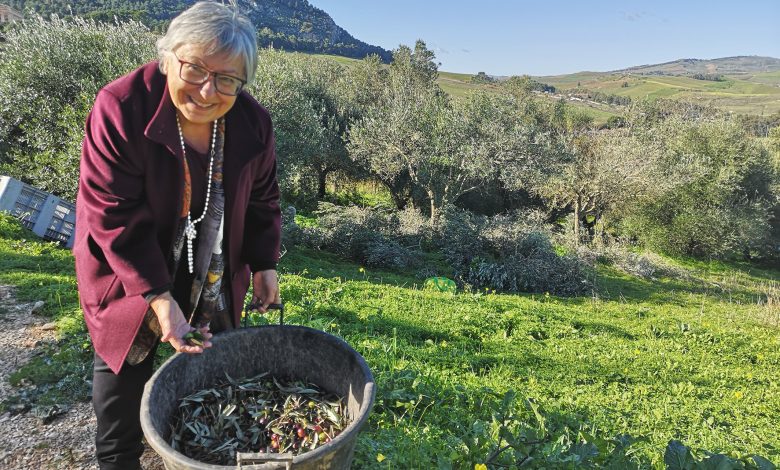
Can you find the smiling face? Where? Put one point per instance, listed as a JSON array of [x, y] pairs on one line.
[[201, 104]]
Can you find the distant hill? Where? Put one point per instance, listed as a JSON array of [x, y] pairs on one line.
[[743, 84], [293, 25], [738, 65]]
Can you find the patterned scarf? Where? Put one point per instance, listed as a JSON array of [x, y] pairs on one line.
[[208, 302]]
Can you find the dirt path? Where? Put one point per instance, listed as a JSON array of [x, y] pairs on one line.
[[25, 442]]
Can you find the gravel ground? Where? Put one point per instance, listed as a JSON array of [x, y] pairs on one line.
[[25, 442]]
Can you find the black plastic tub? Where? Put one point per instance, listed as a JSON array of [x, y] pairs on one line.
[[294, 352]]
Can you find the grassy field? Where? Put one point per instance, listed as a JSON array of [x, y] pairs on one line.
[[749, 94], [459, 85], [767, 78], [563, 381]]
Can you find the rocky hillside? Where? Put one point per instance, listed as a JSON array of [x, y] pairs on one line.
[[293, 25]]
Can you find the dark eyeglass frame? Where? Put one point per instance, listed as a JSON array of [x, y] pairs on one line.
[[216, 76]]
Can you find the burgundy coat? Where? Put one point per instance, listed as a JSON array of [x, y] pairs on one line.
[[130, 196]]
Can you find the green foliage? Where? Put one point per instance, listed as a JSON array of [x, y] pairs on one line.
[[347, 193], [599, 96], [374, 237], [760, 126], [312, 102], [526, 84], [47, 86], [713, 77], [720, 204], [508, 253], [398, 137], [424, 146], [674, 176], [289, 85], [482, 77], [11, 229], [679, 457], [615, 122]]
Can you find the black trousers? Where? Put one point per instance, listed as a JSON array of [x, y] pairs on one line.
[[117, 402]]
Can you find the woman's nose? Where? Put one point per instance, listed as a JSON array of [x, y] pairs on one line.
[[208, 88]]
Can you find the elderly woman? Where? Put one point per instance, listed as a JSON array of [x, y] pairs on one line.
[[178, 203]]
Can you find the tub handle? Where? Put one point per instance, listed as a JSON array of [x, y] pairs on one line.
[[251, 306], [247, 460]]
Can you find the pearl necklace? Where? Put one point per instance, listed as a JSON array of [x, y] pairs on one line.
[[189, 228]]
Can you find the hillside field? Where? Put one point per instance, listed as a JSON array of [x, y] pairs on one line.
[[691, 355], [757, 94]]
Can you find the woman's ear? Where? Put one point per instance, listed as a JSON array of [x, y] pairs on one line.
[[164, 62]]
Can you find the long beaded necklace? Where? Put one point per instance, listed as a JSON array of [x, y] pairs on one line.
[[189, 228]]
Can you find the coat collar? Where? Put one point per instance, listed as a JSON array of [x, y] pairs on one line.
[[162, 127]]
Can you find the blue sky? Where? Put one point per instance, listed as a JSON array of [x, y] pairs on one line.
[[506, 37]]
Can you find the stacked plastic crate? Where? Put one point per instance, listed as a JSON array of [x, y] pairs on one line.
[[45, 214]]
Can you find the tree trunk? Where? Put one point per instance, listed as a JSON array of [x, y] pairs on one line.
[[432, 198], [399, 201], [577, 204], [322, 177]]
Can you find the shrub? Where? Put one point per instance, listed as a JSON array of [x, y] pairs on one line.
[[11, 228], [388, 254], [412, 228], [508, 253], [50, 72], [370, 236], [618, 253]]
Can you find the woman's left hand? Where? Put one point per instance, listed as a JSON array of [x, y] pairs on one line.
[[265, 289], [174, 326]]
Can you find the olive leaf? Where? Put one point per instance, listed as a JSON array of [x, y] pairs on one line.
[[258, 414]]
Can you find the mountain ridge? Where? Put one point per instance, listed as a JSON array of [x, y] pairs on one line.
[[722, 65], [293, 25]]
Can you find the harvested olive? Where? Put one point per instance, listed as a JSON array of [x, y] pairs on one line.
[[194, 338]]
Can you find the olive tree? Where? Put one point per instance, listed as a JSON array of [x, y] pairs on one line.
[[311, 103], [722, 205], [50, 72], [416, 134], [283, 85], [601, 174]]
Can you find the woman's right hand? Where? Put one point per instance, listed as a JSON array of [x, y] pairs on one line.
[[174, 326]]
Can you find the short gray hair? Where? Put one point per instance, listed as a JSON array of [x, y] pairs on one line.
[[221, 29]]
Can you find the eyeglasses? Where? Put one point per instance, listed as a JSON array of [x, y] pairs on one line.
[[195, 74]]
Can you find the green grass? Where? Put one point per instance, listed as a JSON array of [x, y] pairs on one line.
[[767, 78], [360, 193], [690, 357], [748, 94], [564, 82], [666, 360], [348, 61], [44, 271]]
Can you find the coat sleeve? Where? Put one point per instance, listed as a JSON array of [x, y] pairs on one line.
[[263, 227], [114, 205]]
